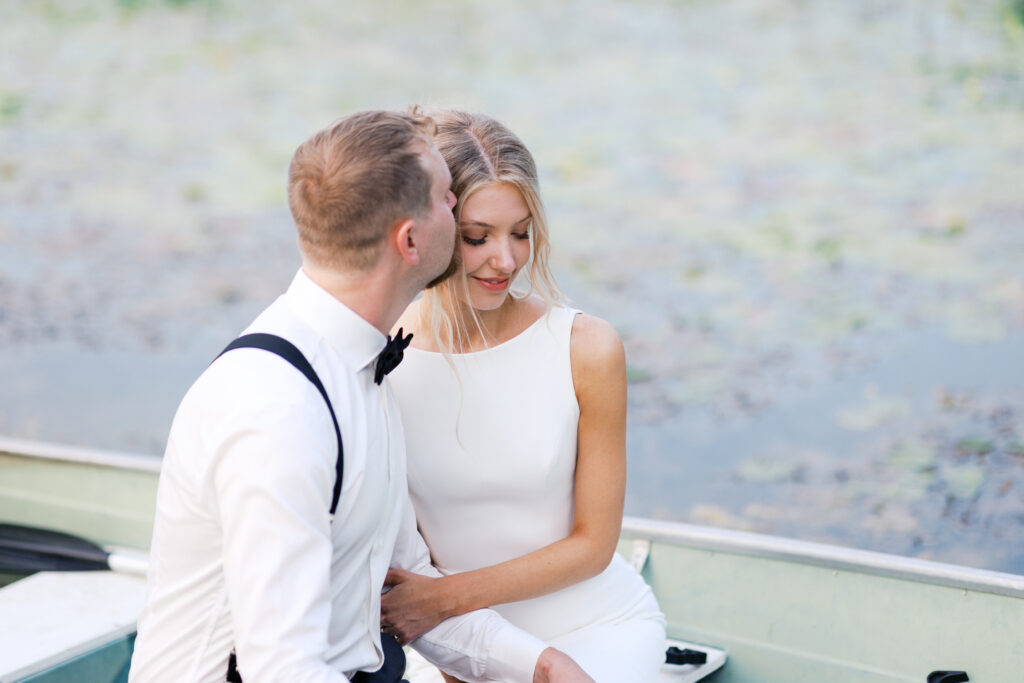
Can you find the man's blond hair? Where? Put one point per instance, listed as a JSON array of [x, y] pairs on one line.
[[351, 182]]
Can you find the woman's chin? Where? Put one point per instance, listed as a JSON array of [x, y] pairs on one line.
[[485, 301]]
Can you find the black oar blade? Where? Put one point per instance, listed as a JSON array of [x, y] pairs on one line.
[[28, 549]]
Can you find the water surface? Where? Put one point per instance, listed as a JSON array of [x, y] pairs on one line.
[[804, 217]]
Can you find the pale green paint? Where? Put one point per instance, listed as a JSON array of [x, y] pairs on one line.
[[781, 620], [105, 664], [107, 505], [788, 621]]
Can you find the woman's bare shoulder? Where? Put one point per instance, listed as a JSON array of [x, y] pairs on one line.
[[594, 344]]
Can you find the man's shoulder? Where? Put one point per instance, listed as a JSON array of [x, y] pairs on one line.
[[253, 377], [253, 394], [249, 368]]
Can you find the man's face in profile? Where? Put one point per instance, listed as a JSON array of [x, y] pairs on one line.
[[441, 220], [452, 268]]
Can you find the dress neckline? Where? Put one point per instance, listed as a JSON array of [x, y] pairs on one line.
[[526, 330]]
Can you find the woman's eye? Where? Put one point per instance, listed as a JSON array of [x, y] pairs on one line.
[[521, 235], [474, 241]]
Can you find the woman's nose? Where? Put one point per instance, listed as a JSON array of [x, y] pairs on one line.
[[502, 259]]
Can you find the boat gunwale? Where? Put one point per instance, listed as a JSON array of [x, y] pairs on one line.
[[713, 539], [821, 555], [23, 448]]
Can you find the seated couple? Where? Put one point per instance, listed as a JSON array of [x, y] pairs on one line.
[[285, 506]]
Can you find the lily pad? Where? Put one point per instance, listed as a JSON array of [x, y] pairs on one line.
[[768, 470], [874, 413], [974, 446], [716, 515], [964, 481], [913, 455], [635, 374]]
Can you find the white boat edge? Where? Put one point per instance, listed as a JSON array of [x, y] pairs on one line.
[[79, 454], [715, 539]]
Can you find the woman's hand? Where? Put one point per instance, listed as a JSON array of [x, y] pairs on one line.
[[554, 666], [414, 605]]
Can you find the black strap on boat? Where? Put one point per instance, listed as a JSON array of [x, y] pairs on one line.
[[674, 655], [285, 349]]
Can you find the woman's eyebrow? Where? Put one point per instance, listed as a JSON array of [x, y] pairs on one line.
[[481, 224]]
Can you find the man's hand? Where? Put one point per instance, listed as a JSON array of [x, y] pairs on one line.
[[411, 607], [554, 666]]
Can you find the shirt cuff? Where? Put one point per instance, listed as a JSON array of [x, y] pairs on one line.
[[513, 655]]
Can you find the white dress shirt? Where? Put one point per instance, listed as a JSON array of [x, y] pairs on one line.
[[244, 552]]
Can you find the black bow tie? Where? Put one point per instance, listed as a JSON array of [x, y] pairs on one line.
[[391, 356]]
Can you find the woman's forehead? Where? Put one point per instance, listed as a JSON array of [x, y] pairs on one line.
[[497, 200]]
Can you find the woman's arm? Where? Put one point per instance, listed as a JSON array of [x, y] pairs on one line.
[[416, 603]]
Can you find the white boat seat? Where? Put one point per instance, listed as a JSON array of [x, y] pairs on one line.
[[50, 617], [421, 671]]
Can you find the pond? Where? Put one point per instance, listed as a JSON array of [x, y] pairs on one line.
[[805, 218]]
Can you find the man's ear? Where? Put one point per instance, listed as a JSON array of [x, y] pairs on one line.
[[403, 237]]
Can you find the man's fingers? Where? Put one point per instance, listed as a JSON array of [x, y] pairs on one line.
[[395, 633], [395, 577]]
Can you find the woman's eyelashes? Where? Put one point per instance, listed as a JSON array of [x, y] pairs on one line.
[[479, 241]]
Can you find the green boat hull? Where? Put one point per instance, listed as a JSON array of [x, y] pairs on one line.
[[107, 663], [784, 610], [791, 611]]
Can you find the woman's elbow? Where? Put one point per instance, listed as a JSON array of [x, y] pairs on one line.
[[597, 557]]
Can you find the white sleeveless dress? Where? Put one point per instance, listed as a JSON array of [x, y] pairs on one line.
[[491, 447]]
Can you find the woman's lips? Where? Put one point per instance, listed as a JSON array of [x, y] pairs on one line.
[[493, 284]]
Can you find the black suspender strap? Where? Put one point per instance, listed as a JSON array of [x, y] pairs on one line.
[[285, 349]]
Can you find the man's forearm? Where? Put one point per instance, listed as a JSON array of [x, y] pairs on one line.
[[481, 646]]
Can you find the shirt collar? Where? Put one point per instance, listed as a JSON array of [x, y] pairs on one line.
[[353, 338]]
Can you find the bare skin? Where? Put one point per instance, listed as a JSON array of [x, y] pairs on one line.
[[554, 666]]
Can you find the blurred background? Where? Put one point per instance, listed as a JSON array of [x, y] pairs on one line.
[[805, 218]]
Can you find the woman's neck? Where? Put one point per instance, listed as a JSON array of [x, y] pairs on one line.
[[471, 332], [484, 328]]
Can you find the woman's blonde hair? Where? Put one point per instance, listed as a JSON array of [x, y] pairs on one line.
[[480, 151]]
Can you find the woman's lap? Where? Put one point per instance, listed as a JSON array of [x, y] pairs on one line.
[[611, 653]]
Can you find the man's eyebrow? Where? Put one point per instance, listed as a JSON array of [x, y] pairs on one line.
[[481, 224]]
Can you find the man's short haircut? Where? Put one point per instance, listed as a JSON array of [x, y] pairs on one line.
[[351, 182]]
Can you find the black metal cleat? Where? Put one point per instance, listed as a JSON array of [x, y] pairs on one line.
[[674, 655], [948, 677]]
